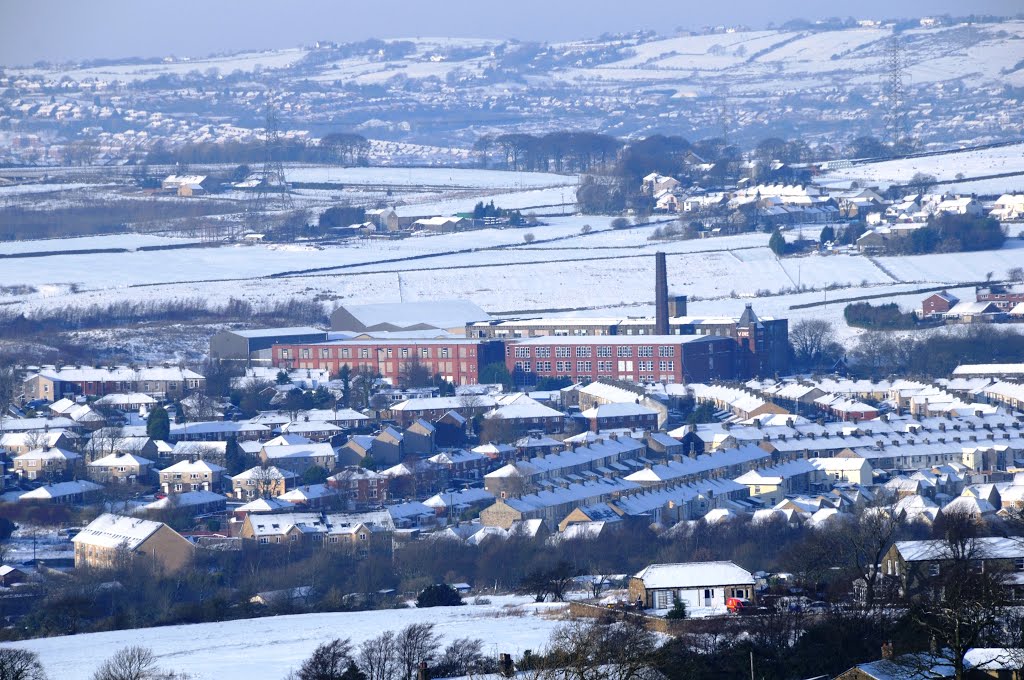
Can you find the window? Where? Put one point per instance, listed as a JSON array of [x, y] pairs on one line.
[[404, 352], [544, 366], [604, 351], [523, 366], [645, 351], [325, 352], [522, 352], [625, 367], [424, 352], [563, 352], [645, 365], [443, 350], [604, 366], [346, 353], [666, 366], [584, 366], [333, 539], [624, 351], [304, 353], [666, 351], [933, 569], [542, 352], [364, 352], [563, 366], [264, 540], [583, 351], [362, 537]]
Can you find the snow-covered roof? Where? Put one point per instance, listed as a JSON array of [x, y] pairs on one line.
[[988, 548], [436, 313], [125, 399], [694, 575], [298, 451], [51, 453], [264, 473], [307, 493], [522, 407], [274, 332], [60, 490], [989, 369], [265, 505], [110, 531], [119, 374], [198, 466], [114, 459], [618, 410], [777, 473], [444, 403], [459, 498], [184, 500]]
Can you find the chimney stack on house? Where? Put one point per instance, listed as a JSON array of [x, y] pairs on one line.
[[660, 295]]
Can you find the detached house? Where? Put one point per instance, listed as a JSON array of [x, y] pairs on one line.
[[695, 584], [109, 539]]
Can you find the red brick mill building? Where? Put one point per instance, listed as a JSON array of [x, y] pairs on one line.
[[643, 358], [457, 360]]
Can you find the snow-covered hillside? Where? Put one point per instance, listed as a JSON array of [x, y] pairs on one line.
[[254, 649]]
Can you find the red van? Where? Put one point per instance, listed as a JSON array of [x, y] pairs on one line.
[[739, 605]]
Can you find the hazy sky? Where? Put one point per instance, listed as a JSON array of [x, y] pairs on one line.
[[73, 29]]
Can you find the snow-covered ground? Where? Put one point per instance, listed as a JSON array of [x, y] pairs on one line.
[[561, 270], [449, 177], [127, 241], [947, 166], [271, 647]]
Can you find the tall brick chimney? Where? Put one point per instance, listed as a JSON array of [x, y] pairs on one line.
[[660, 295]]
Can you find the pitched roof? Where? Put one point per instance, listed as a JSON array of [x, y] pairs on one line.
[[436, 313], [60, 490], [694, 575], [110, 531]]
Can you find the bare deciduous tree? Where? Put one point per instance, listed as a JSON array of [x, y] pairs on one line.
[[376, 657], [329, 661], [134, 663], [20, 664]]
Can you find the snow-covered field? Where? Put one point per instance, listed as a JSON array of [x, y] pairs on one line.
[[128, 241], [453, 177], [271, 647], [562, 269], [947, 166]]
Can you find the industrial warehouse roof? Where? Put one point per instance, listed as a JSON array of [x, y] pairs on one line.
[[275, 332], [436, 313], [615, 339]]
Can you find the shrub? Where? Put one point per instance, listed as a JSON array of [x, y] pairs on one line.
[[439, 595], [678, 610]]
